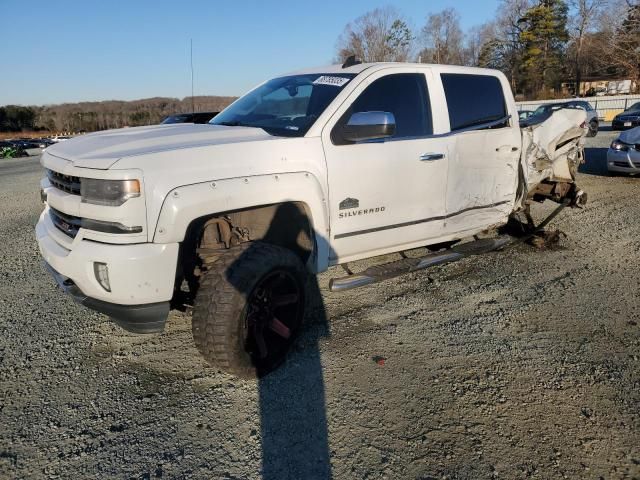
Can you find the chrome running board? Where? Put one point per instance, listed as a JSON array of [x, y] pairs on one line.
[[378, 273]]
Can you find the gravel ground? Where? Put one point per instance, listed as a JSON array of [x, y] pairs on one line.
[[517, 364]]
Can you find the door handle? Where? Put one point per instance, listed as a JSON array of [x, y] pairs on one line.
[[429, 157]]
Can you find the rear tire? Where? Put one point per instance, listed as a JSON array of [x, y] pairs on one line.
[[593, 129], [249, 308]]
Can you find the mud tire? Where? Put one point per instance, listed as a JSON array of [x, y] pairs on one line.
[[225, 306]]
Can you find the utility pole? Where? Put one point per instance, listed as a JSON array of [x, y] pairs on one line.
[[193, 107]]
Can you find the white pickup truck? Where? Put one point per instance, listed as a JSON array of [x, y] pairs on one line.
[[312, 169]]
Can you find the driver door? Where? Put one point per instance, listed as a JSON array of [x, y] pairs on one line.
[[387, 194]]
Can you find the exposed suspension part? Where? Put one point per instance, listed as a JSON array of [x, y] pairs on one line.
[[559, 192], [218, 235]]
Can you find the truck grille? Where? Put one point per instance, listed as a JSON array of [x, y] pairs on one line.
[[67, 224], [66, 183]]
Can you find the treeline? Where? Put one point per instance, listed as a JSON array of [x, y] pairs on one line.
[[538, 44], [92, 116]]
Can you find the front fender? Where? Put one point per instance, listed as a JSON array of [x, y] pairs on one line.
[[184, 204]]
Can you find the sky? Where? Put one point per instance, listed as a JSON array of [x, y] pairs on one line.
[[71, 50]]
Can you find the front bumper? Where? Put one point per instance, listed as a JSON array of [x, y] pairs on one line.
[[623, 162], [148, 318], [141, 276]]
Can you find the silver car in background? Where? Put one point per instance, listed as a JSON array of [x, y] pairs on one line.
[[623, 155], [543, 112]]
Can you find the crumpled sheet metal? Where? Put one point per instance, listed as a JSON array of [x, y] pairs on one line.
[[553, 149]]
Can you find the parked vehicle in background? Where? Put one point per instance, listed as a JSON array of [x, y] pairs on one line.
[[544, 111], [592, 115], [630, 118], [524, 114], [43, 142], [9, 149], [619, 87], [30, 146], [22, 147], [198, 117], [60, 138], [34, 142], [623, 155], [23, 144], [315, 168]]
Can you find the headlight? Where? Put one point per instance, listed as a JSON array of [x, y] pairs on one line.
[[108, 192], [619, 146]]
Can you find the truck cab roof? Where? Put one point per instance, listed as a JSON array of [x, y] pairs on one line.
[[361, 67]]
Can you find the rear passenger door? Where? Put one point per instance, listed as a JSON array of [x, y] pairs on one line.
[[484, 151], [386, 194]]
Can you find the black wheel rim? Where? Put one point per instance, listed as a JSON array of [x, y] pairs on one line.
[[273, 318]]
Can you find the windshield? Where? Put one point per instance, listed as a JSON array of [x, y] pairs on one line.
[[285, 106], [635, 106]]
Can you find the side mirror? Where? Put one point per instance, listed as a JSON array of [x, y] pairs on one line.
[[369, 126]]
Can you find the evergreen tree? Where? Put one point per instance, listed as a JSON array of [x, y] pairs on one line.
[[544, 37], [399, 36]]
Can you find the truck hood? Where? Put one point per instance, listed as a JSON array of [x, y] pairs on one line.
[[101, 150]]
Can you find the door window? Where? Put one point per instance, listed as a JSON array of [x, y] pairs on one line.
[[405, 96], [474, 101]]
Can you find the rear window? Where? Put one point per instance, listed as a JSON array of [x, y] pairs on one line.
[[583, 105], [474, 101]]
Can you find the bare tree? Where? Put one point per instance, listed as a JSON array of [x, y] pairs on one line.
[[381, 35], [503, 49], [475, 39], [583, 19], [442, 38], [619, 48]]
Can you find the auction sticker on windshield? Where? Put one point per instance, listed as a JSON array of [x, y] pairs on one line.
[[328, 80]]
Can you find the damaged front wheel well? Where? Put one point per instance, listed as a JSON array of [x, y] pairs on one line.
[[287, 224]]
